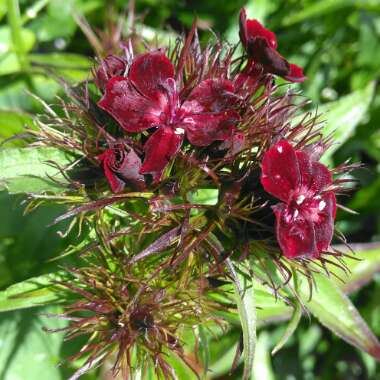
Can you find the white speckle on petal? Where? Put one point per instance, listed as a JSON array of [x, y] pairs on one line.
[[279, 148], [322, 205], [300, 199], [296, 212], [179, 131], [189, 120]]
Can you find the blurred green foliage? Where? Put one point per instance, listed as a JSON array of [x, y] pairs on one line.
[[338, 43]]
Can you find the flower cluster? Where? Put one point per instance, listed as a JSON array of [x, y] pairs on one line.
[[151, 132]]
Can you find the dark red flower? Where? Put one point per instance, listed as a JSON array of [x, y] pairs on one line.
[[305, 221], [109, 67], [121, 166], [261, 46], [148, 98]]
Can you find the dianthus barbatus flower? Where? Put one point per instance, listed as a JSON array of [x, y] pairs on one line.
[[148, 97], [110, 67], [305, 221], [121, 166], [261, 46]]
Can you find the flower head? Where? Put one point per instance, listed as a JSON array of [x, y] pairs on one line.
[[261, 46], [305, 218], [122, 315], [121, 166], [149, 98], [110, 67]]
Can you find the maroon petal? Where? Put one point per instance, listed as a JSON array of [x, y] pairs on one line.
[[110, 67], [250, 29], [149, 72], [122, 167], [117, 184], [314, 176], [280, 171], [322, 177], [324, 226], [295, 234], [160, 148], [243, 27], [211, 95], [129, 108], [249, 80], [204, 129], [295, 74], [270, 59]]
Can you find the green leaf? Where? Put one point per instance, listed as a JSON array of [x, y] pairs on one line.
[[26, 170], [245, 300], [321, 8], [12, 123], [56, 22], [364, 265], [205, 196], [294, 321], [269, 309], [13, 96], [28, 352], [262, 368], [8, 60], [204, 348], [345, 115], [336, 312], [33, 292], [74, 66]]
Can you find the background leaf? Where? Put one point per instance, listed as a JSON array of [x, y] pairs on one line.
[[336, 312], [26, 170], [345, 115], [37, 291], [245, 301], [27, 350]]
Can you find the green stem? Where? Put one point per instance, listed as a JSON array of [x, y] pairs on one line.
[[14, 21]]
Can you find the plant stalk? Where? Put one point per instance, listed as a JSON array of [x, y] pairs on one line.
[[14, 21]]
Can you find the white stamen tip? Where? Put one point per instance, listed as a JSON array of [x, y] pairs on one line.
[[296, 212], [279, 148], [300, 199], [321, 205], [179, 131]]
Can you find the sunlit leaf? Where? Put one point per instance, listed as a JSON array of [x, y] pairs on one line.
[[293, 323], [8, 60], [321, 8], [71, 66], [245, 300], [12, 123], [343, 116], [262, 368], [33, 292], [25, 170], [362, 267], [27, 352], [336, 312]]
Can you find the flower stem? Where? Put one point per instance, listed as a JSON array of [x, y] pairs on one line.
[[14, 21]]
